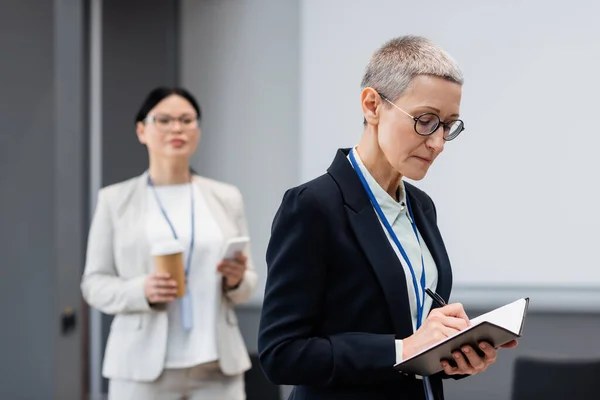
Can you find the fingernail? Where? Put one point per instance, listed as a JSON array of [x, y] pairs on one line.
[[444, 365], [456, 355], [482, 345], [466, 350]]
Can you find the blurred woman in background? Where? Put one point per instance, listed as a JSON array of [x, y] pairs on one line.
[[161, 346]]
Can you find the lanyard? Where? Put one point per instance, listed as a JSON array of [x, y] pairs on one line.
[[388, 227], [193, 230]]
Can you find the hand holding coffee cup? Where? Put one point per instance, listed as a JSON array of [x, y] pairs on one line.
[[160, 288], [168, 281]]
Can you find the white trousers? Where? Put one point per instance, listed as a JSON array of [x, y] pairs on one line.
[[202, 382]]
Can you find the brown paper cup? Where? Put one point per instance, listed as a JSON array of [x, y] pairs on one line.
[[168, 257]]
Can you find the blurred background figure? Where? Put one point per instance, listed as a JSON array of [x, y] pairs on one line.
[[168, 341]]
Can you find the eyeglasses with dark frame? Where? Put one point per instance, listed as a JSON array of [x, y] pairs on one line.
[[428, 123]]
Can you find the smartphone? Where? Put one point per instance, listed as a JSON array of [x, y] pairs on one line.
[[234, 246]]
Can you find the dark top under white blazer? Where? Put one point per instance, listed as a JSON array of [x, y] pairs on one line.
[[336, 294]]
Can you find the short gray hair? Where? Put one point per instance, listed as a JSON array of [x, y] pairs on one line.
[[392, 67]]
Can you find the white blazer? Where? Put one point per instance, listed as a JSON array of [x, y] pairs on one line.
[[117, 263]]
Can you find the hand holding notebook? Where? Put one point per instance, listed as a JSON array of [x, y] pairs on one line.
[[498, 327]]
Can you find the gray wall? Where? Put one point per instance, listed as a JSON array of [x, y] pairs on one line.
[[43, 204]]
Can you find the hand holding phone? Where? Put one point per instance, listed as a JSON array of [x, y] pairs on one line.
[[235, 246], [233, 265]]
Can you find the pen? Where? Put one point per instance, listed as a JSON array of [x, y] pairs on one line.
[[437, 299]]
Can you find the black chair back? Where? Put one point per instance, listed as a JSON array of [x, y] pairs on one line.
[[556, 379]]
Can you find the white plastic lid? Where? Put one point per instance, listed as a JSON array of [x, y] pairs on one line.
[[167, 247]]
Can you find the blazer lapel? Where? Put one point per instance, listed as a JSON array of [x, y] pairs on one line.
[[132, 216], [374, 242], [431, 235]]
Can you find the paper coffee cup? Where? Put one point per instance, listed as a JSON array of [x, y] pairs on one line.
[[168, 257]]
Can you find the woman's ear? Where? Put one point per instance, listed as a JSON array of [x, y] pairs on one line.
[[370, 102], [140, 129]]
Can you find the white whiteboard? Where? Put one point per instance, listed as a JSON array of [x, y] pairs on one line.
[[517, 193]]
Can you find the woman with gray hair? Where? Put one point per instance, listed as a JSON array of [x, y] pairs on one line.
[[353, 251]]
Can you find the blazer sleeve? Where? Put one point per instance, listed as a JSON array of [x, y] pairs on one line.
[[290, 352], [244, 291], [101, 286]]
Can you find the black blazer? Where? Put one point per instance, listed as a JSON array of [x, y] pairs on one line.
[[336, 296]]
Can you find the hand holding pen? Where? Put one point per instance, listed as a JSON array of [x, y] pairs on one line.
[[441, 323]]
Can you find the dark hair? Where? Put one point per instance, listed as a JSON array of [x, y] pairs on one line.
[[159, 94]]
